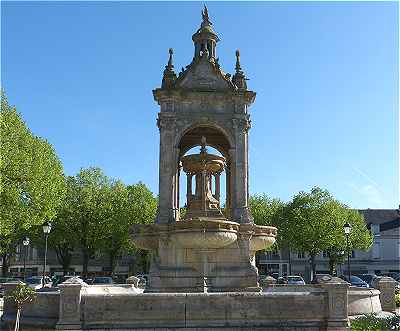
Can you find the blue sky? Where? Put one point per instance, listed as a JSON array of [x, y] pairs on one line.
[[325, 73]]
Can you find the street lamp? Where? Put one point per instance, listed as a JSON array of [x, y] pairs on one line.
[[25, 242], [46, 230], [347, 230]]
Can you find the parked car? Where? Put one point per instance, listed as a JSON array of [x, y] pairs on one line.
[[281, 281], [355, 281], [36, 282], [368, 278], [102, 281], [295, 280], [320, 278]]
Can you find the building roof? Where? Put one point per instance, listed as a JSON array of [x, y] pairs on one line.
[[386, 218]]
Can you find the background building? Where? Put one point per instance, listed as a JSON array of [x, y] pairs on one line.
[[383, 257]]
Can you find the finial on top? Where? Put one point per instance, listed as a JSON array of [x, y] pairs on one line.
[[170, 65], [238, 68], [239, 79], [205, 17], [169, 76], [204, 13]]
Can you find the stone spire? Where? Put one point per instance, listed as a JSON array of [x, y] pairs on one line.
[[205, 17], [205, 39], [239, 78], [169, 76]]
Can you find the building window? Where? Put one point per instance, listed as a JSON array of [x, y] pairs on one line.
[[353, 254], [301, 255], [270, 255], [325, 254]]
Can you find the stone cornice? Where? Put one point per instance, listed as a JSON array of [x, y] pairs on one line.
[[179, 94]]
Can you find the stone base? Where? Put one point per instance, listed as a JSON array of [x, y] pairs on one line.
[[182, 270]]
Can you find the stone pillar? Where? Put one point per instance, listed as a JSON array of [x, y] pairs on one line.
[[241, 211], [232, 182], [178, 189], [218, 187], [337, 315], [189, 178], [228, 191], [70, 304], [387, 285], [167, 168]]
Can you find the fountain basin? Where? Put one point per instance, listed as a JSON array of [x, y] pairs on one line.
[[205, 234], [263, 237]]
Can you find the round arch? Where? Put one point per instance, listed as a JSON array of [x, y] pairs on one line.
[[215, 135]]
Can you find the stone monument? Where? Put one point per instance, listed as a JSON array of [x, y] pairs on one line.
[[207, 250]]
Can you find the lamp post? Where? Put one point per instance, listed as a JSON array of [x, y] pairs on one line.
[[25, 242], [347, 230], [46, 230]]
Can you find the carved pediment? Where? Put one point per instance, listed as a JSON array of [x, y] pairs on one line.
[[203, 75]]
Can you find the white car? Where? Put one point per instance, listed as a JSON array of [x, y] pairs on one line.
[[36, 282]]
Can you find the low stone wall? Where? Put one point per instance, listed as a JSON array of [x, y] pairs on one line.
[[324, 307], [204, 310]]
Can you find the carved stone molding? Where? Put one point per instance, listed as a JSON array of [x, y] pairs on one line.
[[166, 123], [242, 125]]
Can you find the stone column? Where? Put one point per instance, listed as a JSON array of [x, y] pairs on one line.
[[232, 181], [218, 186], [70, 304], [241, 212], [337, 315], [167, 168], [387, 285], [177, 189], [228, 195], [189, 178]]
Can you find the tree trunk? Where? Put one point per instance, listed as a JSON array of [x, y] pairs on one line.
[[17, 319], [112, 261], [85, 263], [332, 266], [4, 268], [64, 257]]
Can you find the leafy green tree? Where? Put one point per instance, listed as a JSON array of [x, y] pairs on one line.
[[134, 204], [267, 211], [144, 210], [31, 181], [88, 211], [314, 223], [64, 238], [360, 237]]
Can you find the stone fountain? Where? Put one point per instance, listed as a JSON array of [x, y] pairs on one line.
[[203, 274], [204, 251]]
